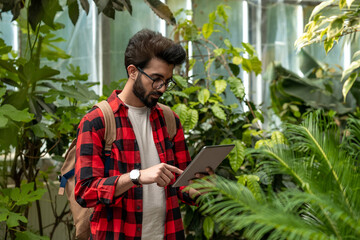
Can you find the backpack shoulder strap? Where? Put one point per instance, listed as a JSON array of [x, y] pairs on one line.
[[169, 120], [110, 125]]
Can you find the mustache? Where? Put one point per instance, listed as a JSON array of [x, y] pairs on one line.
[[156, 93]]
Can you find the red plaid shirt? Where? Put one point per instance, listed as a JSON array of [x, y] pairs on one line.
[[121, 217]]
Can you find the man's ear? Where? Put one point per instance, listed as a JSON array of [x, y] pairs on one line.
[[132, 71]]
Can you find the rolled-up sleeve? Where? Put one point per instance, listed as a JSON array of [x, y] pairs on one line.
[[91, 187]]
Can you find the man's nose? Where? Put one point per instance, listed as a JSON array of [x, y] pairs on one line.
[[162, 89]]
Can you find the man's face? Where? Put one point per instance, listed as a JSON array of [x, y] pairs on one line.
[[143, 86], [148, 99]]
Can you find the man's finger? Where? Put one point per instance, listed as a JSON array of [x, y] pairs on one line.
[[210, 171], [168, 173], [173, 169]]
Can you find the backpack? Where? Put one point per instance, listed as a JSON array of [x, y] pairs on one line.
[[81, 216]]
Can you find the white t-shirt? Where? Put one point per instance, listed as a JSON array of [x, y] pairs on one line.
[[154, 203]]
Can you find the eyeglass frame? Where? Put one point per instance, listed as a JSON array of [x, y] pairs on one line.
[[171, 80]]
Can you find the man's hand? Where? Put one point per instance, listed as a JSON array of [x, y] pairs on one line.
[[193, 192], [161, 174]]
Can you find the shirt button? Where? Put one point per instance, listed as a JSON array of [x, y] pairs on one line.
[[138, 229], [138, 207]]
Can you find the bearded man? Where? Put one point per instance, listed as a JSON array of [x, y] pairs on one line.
[[136, 200]]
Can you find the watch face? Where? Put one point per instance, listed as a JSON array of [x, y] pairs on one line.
[[134, 174]]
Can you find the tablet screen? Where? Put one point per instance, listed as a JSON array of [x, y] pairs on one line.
[[209, 156]]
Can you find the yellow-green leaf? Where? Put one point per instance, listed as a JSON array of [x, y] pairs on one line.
[[218, 52], [249, 48], [220, 86], [263, 142], [348, 84], [236, 156], [237, 60], [278, 137], [353, 66], [207, 30], [328, 45], [342, 3], [218, 112], [204, 96], [335, 28], [320, 7], [237, 87]]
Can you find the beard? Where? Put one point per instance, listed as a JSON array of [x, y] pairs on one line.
[[140, 92]]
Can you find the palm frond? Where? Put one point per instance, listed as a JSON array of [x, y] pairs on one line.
[[326, 203], [236, 208]]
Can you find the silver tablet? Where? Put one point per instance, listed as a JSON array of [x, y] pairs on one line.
[[209, 156]]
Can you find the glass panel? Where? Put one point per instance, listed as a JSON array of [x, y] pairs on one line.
[[116, 34], [7, 28]]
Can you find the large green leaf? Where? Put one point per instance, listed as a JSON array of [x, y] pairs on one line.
[[42, 130], [26, 194], [191, 119], [180, 81], [203, 96], [236, 156], [14, 218], [14, 114], [162, 10], [218, 112], [182, 111], [237, 87], [73, 7], [208, 227]]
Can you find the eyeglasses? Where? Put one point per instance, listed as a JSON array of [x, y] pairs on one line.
[[158, 83]]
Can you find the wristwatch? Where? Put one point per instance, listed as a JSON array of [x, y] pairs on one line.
[[135, 176]]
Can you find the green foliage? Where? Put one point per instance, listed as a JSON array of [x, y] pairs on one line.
[[201, 102], [39, 112], [329, 25], [45, 11], [319, 88], [13, 199], [323, 202]]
